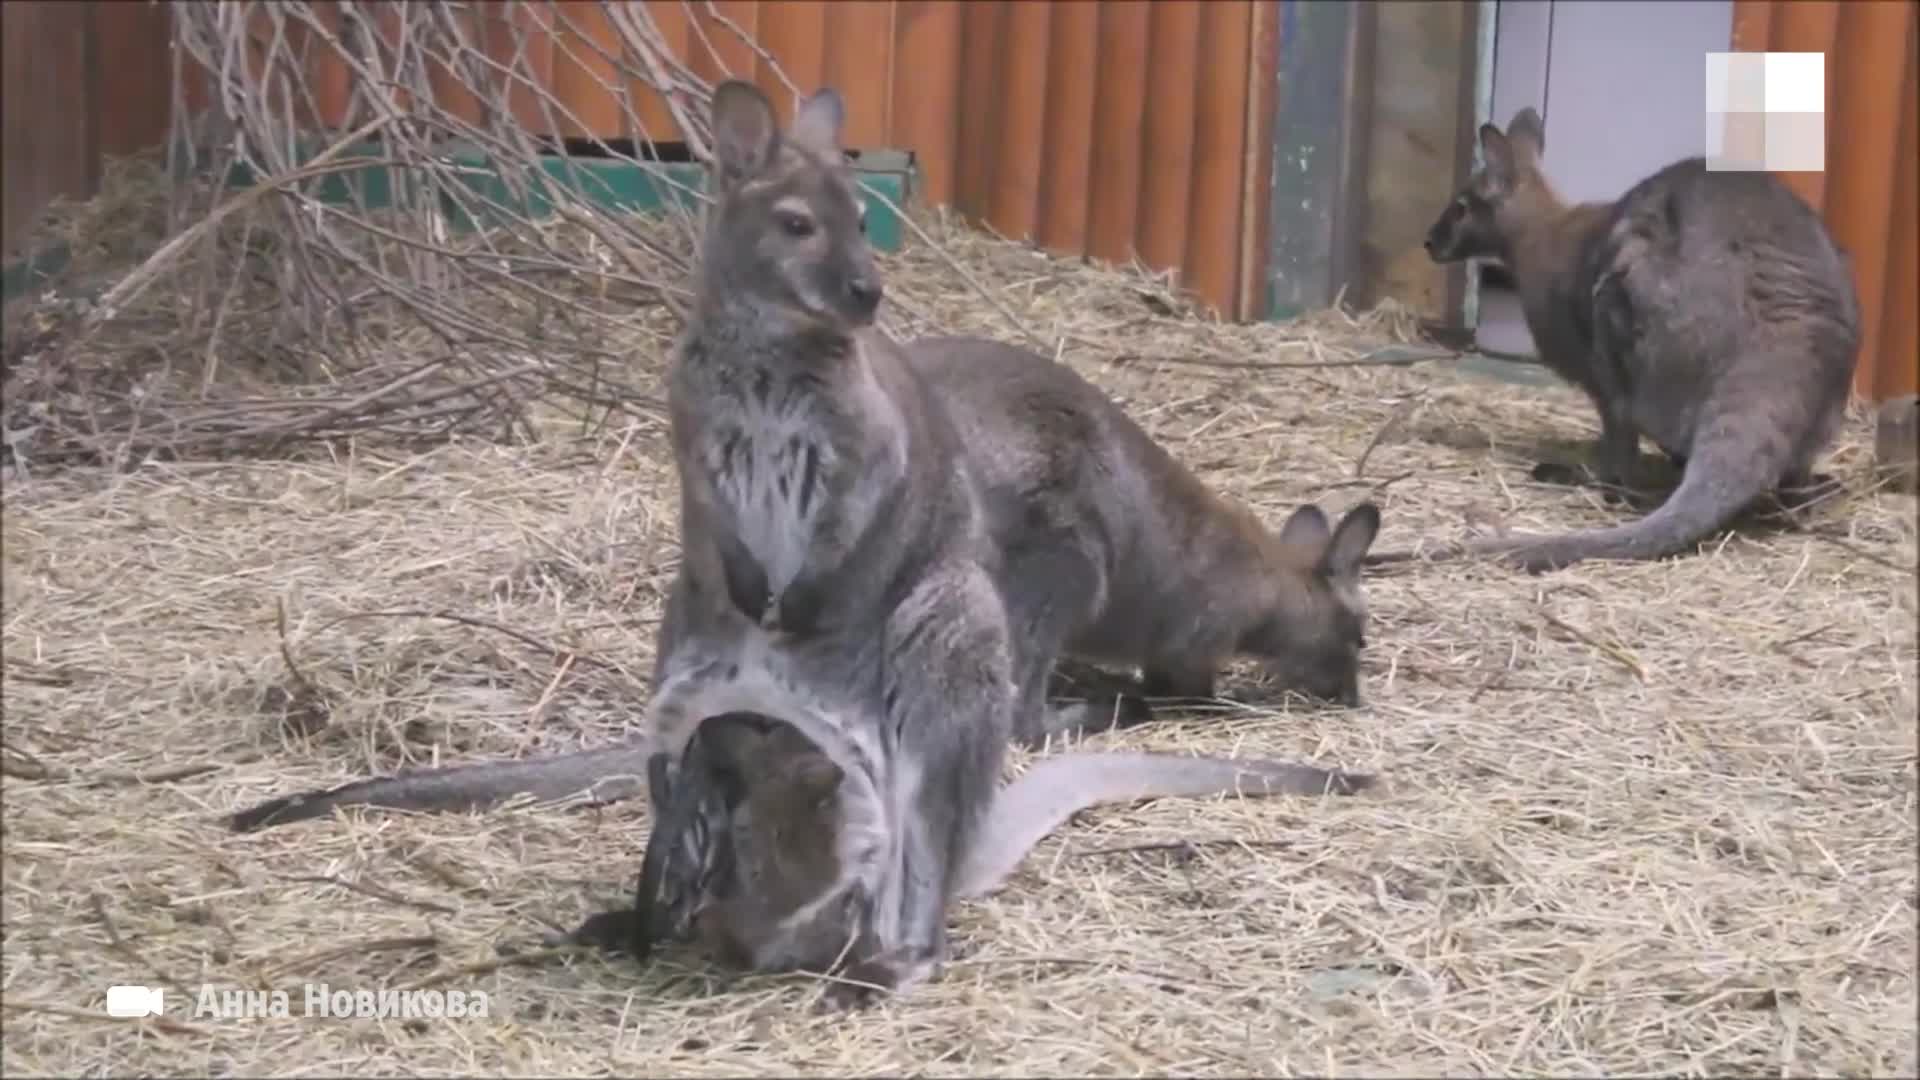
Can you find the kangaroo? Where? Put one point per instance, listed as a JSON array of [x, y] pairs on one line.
[[1105, 542], [1709, 311], [835, 564], [1052, 525], [1160, 572], [836, 572], [777, 845]]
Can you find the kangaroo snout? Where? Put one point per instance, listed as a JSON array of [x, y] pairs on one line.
[[863, 296]]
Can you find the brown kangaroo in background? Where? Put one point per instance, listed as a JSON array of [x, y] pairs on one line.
[[1158, 571], [1709, 311]]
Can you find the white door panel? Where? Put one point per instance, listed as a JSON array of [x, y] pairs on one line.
[[1621, 85]]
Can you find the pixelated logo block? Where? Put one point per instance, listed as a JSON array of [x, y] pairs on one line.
[[1766, 112]]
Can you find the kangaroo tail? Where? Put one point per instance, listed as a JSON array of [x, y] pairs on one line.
[[1059, 787], [610, 773], [1727, 469], [1725, 472]]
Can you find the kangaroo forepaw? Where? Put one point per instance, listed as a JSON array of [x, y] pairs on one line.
[[866, 986], [1800, 493], [865, 982], [1100, 716], [1560, 473], [611, 931], [1616, 488], [1130, 711], [746, 582], [1539, 561], [795, 611]]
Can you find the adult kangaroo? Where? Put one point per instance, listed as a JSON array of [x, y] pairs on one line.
[[1121, 555], [1709, 311]]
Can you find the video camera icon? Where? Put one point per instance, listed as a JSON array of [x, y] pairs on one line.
[[133, 1002]]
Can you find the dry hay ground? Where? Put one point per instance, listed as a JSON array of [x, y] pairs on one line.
[[1653, 818]]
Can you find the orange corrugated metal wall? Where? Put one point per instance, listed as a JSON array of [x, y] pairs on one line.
[[1115, 129], [106, 67], [1123, 129], [1867, 192]]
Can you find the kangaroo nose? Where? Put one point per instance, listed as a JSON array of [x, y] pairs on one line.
[[865, 293]]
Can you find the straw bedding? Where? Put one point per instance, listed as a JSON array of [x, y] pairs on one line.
[[1638, 818]]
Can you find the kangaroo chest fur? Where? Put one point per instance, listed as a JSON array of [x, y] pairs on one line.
[[772, 464], [793, 443]]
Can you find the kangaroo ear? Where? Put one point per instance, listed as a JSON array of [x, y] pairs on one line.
[[1351, 539], [745, 132], [1527, 134], [817, 123], [1306, 527], [1498, 154]]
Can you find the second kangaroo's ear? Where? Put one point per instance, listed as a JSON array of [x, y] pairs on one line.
[[817, 123], [1351, 539], [1498, 153], [1527, 135], [745, 131], [1305, 527]]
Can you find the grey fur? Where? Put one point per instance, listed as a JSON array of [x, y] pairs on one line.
[[1056, 788], [1077, 498], [1114, 552], [605, 774], [835, 571], [1709, 311]]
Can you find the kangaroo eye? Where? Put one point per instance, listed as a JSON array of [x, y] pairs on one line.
[[797, 225]]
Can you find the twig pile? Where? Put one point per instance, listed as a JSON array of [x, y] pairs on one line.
[[263, 317]]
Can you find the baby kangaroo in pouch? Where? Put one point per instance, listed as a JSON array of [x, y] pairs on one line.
[[1709, 311], [750, 844], [773, 847]]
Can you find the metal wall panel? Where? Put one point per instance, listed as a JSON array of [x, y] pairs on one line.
[[1868, 189], [1116, 129], [47, 131]]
